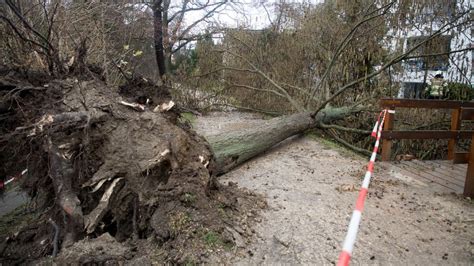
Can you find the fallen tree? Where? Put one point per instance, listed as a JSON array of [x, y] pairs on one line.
[[104, 167], [233, 148]]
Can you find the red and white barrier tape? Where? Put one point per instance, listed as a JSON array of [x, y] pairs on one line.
[[4, 183], [376, 126], [350, 239]]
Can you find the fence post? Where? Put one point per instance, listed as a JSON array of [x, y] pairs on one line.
[[469, 183], [455, 126], [387, 143]]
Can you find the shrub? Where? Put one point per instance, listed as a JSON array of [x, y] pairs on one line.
[[459, 91]]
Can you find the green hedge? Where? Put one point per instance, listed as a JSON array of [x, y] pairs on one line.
[[459, 91]]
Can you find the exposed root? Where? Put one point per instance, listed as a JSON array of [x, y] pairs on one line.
[[55, 238], [93, 218]]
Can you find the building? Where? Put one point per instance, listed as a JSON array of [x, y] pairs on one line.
[[417, 72]]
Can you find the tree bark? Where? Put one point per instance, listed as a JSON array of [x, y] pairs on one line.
[[234, 148], [158, 37], [167, 42]]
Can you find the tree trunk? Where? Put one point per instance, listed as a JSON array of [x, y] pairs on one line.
[[167, 42], [232, 149], [158, 37]]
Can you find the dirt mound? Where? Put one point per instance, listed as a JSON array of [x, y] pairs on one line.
[[99, 167]]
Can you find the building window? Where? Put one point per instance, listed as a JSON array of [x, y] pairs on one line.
[[437, 45], [434, 11]]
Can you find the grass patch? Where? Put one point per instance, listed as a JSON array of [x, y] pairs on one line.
[[187, 117], [333, 145], [188, 198], [221, 210], [212, 239], [179, 222]]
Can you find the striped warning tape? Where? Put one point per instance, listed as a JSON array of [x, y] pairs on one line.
[[4, 183], [376, 126], [350, 239]]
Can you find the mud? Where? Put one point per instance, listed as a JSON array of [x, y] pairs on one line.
[[311, 186]]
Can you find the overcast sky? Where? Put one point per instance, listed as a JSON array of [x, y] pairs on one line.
[[252, 13]]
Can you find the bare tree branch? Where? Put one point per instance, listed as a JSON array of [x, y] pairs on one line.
[[294, 103], [347, 129], [396, 59], [256, 89], [346, 41], [192, 25], [16, 30], [27, 25], [348, 145]]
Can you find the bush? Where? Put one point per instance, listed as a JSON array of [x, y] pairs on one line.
[[459, 91]]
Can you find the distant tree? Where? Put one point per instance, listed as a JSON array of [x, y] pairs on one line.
[[172, 33], [209, 58]]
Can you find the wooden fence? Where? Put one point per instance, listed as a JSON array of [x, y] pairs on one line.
[[460, 110]]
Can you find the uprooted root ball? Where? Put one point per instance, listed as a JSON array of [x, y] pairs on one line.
[[99, 171]]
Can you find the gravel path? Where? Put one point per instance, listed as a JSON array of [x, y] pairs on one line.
[[311, 188]]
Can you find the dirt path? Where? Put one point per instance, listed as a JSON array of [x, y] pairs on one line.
[[311, 188]]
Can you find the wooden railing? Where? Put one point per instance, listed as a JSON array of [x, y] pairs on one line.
[[460, 110]]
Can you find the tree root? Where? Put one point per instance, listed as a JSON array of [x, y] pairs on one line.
[[92, 219], [55, 238]]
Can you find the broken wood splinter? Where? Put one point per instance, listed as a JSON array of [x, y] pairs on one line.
[[164, 107], [135, 106]]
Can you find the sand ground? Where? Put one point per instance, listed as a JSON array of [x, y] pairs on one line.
[[311, 188]]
